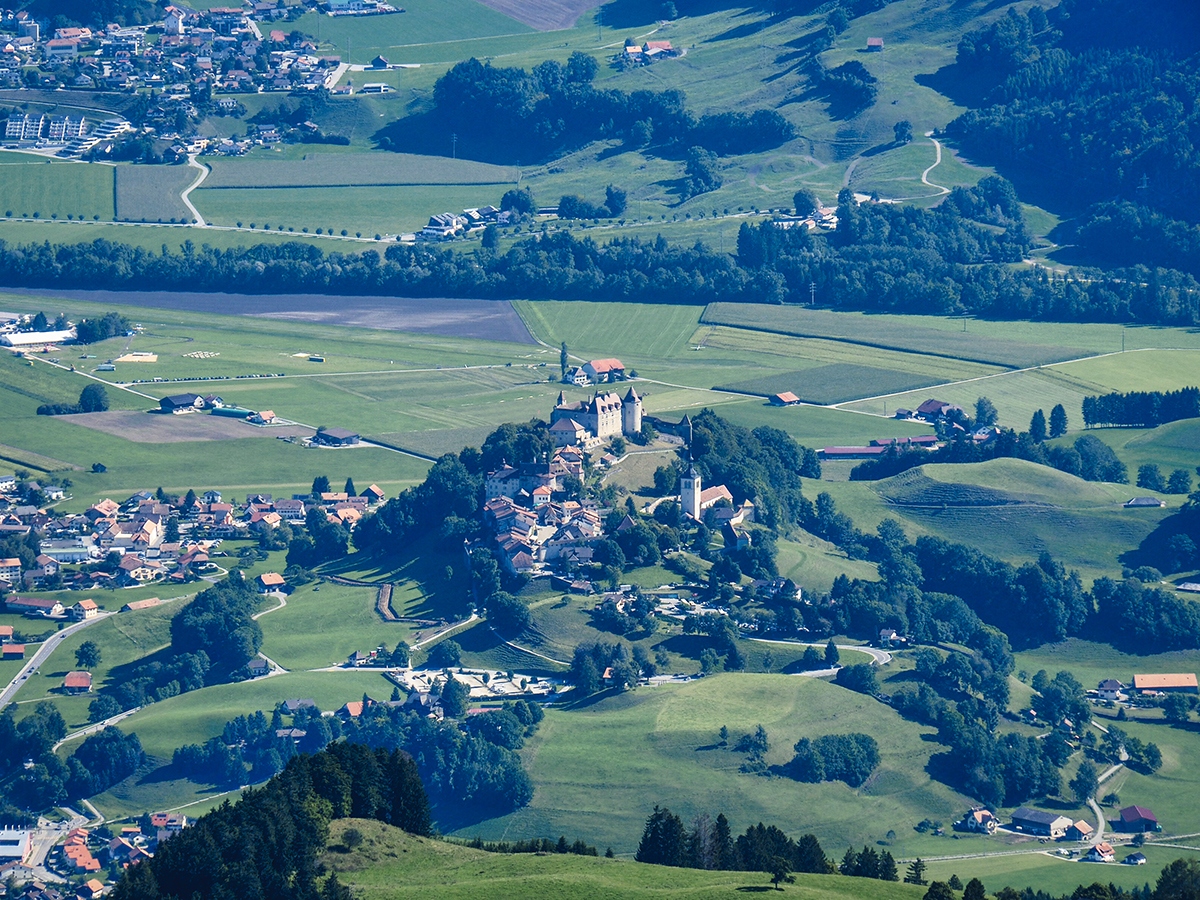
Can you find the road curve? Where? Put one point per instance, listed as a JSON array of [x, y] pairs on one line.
[[186, 196], [43, 653], [878, 657]]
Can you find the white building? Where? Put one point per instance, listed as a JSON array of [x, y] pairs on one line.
[[14, 845], [36, 338]]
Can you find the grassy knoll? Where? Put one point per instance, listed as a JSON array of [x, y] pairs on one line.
[[600, 769], [814, 564], [1017, 394], [1170, 446], [32, 184], [123, 639], [1009, 508], [392, 864]]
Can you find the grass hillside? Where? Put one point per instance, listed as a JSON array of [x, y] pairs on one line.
[[599, 770], [392, 864], [1009, 508]]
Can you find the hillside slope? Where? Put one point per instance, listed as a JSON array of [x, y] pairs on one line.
[[391, 864]]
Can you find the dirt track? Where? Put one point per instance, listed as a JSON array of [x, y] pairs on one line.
[[151, 428], [493, 320]]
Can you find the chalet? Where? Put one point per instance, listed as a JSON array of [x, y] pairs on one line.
[[932, 410], [979, 821], [336, 437], [1182, 683], [351, 710], [78, 683], [1101, 853], [181, 403], [1035, 821], [270, 581], [874, 45], [1079, 831], [358, 658], [258, 667], [601, 371], [1145, 503], [1109, 689], [787, 398], [576, 376], [12, 651], [168, 824], [84, 609], [1137, 819], [374, 494], [1134, 859], [34, 607]]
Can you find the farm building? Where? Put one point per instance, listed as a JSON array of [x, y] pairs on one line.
[[874, 45], [1137, 819], [1036, 821], [1109, 689], [1080, 831], [77, 682], [12, 651], [787, 398], [36, 338], [179, 403], [270, 581], [336, 437], [1184, 682], [1145, 503], [603, 370], [34, 606]]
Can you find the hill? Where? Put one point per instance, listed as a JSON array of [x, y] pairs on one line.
[[600, 768], [389, 863]]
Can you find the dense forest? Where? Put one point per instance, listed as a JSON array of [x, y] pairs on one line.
[[1128, 84], [266, 844]]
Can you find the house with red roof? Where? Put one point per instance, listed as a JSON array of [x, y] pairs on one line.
[[78, 682], [1137, 819]]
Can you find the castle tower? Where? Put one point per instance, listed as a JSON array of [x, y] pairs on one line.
[[689, 492], [631, 413]]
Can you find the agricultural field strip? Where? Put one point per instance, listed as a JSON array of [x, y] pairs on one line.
[[843, 404]]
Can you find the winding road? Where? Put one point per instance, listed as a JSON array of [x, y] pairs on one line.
[[186, 196], [878, 657]]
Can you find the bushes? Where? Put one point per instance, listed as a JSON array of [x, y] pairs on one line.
[[835, 757]]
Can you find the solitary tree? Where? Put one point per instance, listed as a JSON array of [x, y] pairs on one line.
[[1037, 426], [1058, 421], [93, 398], [985, 413], [1085, 782], [831, 653], [903, 131], [349, 488], [1180, 482], [805, 202], [916, 872], [781, 871], [564, 361], [88, 655], [974, 890]]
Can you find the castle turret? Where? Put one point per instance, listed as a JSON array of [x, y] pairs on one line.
[[689, 492], [631, 413]]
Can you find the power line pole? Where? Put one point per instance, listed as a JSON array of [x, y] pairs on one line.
[[812, 293], [454, 146]]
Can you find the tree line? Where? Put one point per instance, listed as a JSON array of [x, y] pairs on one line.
[[266, 845], [1141, 409]]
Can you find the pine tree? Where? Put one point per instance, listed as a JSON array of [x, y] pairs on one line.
[[320, 485], [1037, 426], [887, 867], [831, 654], [849, 863], [564, 361], [349, 488], [868, 863], [974, 890], [724, 855], [1058, 421], [916, 872], [662, 840]]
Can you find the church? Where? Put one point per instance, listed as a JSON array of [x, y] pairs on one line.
[[586, 422]]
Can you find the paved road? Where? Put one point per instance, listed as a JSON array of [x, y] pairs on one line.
[[453, 626], [92, 729], [43, 653], [878, 657], [1100, 823]]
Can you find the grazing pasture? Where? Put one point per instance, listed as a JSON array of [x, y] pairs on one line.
[[54, 189], [152, 193]]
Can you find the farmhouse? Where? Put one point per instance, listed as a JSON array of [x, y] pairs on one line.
[[1182, 683], [1035, 821], [34, 606], [1109, 689], [181, 403], [1102, 853], [1145, 503], [270, 581], [1080, 831], [601, 371], [12, 651], [932, 410], [787, 398], [1134, 859], [84, 609], [258, 667], [1137, 819], [6, 632], [336, 437], [78, 683], [874, 45]]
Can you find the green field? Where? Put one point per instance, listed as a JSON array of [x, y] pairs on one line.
[[1017, 394], [152, 193], [32, 185], [833, 383], [600, 769], [362, 169], [1092, 663], [392, 864], [1171, 446]]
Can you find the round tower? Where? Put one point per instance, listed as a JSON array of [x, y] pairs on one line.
[[631, 413]]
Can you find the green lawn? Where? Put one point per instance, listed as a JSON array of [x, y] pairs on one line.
[[392, 864], [1091, 663], [1170, 446], [600, 769], [31, 184]]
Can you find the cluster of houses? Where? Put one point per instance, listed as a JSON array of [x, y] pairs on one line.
[[136, 531], [444, 226], [1055, 826], [634, 54], [595, 371]]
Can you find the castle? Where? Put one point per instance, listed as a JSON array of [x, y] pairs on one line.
[[604, 416]]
